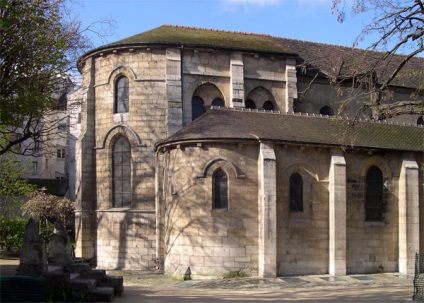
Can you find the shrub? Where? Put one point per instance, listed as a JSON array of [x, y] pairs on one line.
[[48, 209], [12, 232]]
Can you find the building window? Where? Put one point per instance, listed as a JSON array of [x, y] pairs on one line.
[[121, 173], [218, 102], [36, 146], [61, 153], [220, 189], [250, 104], [268, 105], [79, 118], [326, 111], [374, 195], [296, 192], [34, 168], [197, 108], [61, 127], [122, 95], [420, 120]]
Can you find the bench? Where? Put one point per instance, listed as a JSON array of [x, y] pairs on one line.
[[419, 278], [22, 289]]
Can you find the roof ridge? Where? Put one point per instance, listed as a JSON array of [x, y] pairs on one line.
[[338, 117], [218, 30], [382, 52]]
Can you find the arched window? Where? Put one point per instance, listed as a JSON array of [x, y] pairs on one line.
[[122, 95], [217, 102], [250, 104], [296, 192], [220, 189], [420, 120], [374, 194], [268, 105], [121, 172], [197, 108], [326, 111]]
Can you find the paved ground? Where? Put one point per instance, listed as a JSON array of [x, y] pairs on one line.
[[148, 287]]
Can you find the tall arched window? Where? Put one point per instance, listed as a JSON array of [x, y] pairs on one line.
[[268, 105], [218, 102], [420, 120], [250, 104], [374, 194], [296, 192], [197, 108], [220, 189], [122, 95], [121, 172]]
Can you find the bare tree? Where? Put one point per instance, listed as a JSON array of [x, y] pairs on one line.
[[40, 42], [399, 25]]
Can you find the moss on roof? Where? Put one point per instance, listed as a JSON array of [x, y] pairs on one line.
[[240, 125], [200, 37]]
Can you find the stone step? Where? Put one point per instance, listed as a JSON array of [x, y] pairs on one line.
[[83, 285], [74, 276], [94, 274], [56, 269], [100, 294], [77, 267], [117, 282]]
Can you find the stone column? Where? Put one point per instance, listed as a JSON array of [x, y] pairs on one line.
[[291, 84], [237, 80], [85, 183], [408, 214], [337, 215], [267, 211], [173, 91]]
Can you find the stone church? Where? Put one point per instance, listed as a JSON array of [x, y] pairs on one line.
[[217, 153]]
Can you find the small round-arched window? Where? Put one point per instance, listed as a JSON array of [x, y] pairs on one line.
[[374, 194], [197, 108], [250, 104], [217, 102], [122, 95], [326, 111], [220, 189], [420, 121], [268, 105]]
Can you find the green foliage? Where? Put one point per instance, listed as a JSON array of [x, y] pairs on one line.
[[48, 209], [33, 54], [12, 187], [40, 42], [12, 232]]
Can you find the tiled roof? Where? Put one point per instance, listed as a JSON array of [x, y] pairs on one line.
[[328, 57], [209, 38], [317, 56], [242, 125]]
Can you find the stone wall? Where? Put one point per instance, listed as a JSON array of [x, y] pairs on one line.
[[320, 93], [303, 241], [211, 242]]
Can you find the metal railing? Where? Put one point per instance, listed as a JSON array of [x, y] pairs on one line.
[[419, 278]]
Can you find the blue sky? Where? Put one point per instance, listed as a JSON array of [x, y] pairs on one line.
[[300, 19]]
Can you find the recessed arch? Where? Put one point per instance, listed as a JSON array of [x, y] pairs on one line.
[[238, 173], [124, 71], [260, 96], [378, 161], [120, 130]]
